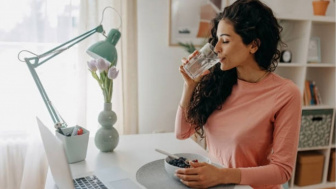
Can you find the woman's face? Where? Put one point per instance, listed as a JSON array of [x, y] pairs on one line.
[[231, 50]]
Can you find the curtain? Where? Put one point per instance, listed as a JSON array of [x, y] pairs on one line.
[[23, 163], [36, 26], [12, 158], [130, 68], [35, 165]]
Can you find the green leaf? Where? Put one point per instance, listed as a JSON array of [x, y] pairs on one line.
[[189, 47]]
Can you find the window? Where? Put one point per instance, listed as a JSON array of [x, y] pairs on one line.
[[37, 26]]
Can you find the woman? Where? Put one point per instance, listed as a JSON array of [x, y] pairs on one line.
[[249, 115]]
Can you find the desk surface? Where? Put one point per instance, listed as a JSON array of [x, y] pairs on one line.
[[132, 152]]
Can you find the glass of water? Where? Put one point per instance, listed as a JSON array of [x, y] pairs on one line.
[[205, 59]]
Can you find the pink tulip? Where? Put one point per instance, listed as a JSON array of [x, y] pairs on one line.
[[112, 72], [92, 65], [102, 65]]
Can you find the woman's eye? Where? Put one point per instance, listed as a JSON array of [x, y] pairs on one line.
[[225, 41]]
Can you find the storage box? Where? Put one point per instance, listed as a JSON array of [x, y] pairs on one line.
[[309, 168], [75, 146], [315, 128], [331, 170]]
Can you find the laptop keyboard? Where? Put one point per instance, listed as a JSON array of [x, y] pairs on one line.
[[88, 183]]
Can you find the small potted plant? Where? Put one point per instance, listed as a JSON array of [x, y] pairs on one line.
[[320, 7]]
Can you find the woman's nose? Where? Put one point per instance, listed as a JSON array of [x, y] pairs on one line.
[[217, 49]]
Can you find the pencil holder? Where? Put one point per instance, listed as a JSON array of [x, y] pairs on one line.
[[75, 146]]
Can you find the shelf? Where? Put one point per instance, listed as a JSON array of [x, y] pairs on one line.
[[317, 107], [320, 65], [324, 78], [313, 148], [330, 184], [298, 29], [327, 19], [326, 33], [311, 65], [280, 64], [316, 186]]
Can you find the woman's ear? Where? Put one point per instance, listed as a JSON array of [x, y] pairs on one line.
[[254, 46]]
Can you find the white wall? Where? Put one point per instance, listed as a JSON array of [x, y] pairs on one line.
[[160, 83]]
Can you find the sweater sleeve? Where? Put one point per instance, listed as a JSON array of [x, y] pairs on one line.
[[287, 121], [183, 129]]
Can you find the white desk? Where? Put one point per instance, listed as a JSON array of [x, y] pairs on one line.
[[132, 152]]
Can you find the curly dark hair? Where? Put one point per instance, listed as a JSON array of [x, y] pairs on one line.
[[253, 21]]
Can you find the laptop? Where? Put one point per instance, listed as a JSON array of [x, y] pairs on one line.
[[112, 177]]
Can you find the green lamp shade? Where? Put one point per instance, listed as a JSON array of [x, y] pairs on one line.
[[106, 49]]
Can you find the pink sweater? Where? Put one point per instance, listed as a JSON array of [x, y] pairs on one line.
[[257, 131]]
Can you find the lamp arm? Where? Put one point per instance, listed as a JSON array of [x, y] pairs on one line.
[[57, 50], [51, 110], [34, 62]]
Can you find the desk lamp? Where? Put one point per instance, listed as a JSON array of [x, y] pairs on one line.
[[102, 49]]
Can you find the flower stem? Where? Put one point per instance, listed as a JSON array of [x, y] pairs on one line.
[[104, 86], [111, 89]]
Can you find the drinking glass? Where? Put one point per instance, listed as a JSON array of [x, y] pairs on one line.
[[205, 59]]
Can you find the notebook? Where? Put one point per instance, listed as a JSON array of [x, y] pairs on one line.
[[112, 177]]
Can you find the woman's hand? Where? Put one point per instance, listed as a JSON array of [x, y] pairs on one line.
[[189, 84], [200, 175], [189, 81]]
